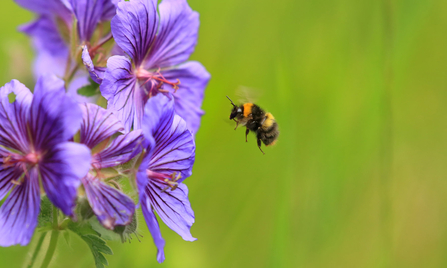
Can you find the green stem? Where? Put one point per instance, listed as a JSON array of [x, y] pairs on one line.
[[53, 241], [37, 250]]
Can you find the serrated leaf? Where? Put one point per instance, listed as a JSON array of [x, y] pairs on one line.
[[89, 90]]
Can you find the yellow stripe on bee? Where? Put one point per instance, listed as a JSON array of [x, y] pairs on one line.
[[247, 109], [271, 144], [269, 120]]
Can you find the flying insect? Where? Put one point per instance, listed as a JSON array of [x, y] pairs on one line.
[[255, 119]]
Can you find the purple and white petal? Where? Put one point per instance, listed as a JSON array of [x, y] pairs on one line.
[[134, 27], [96, 73], [177, 36], [111, 206], [122, 91], [13, 132], [122, 149], [61, 171], [46, 36], [18, 215], [173, 207], [54, 117], [97, 124], [189, 97]]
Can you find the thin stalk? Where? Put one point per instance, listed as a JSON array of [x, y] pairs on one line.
[[53, 241], [37, 250]]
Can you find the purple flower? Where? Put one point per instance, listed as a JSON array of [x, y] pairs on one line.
[[168, 161], [158, 48], [34, 151], [111, 206], [51, 31]]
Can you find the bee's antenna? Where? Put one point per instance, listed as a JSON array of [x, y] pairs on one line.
[[231, 101]]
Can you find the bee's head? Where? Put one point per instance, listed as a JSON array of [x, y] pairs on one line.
[[235, 111]]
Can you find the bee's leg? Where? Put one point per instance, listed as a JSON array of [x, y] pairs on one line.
[[259, 145], [237, 123], [246, 134]]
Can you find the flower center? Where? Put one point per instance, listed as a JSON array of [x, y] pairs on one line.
[[169, 180], [24, 162], [156, 80]]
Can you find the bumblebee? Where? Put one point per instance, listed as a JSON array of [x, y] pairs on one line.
[[256, 120]]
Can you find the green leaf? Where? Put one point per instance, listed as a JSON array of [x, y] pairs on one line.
[[89, 90], [67, 237], [97, 245]]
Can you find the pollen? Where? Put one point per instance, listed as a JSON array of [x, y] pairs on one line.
[[157, 80]]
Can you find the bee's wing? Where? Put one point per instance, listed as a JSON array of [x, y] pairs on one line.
[[248, 94]]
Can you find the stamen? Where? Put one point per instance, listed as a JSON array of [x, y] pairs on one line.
[[159, 78], [169, 180]]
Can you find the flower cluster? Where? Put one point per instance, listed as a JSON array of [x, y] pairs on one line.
[[131, 57]]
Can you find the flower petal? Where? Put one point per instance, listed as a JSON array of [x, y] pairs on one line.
[[97, 124], [18, 215], [88, 14], [123, 94], [109, 9], [173, 207], [177, 36], [189, 97], [174, 144], [111, 206], [61, 170], [47, 7], [134, 27], [13, 116], [122, 149], [8, 173], [152, 224], [96, 73], [55, 117], [46, 36]]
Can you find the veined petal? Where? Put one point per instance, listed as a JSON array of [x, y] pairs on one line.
[[97, 124], [109, 9], [158, 114], [96, 73], [134, 27], [88, 14], [177, 36], [122, 149], [55, 117], [18, 215], [46, 36], [174, 144], [122, 91], [173, 207], [152, 224], [13, 116], [46, 62], [8, 173], [61, 172], [111, 206], [189, 97], [47, 7]]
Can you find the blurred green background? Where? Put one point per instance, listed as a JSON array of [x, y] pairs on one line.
[[359, 175]]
